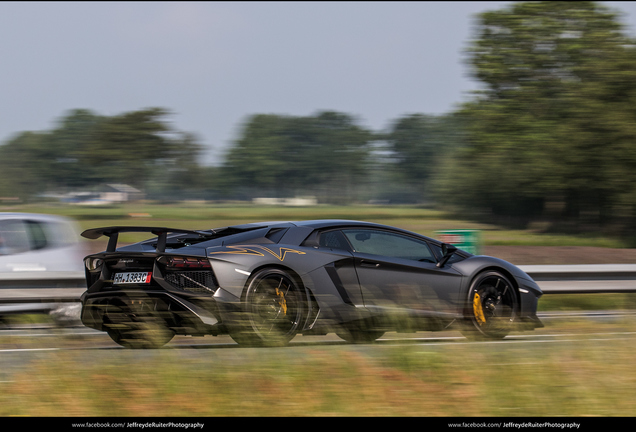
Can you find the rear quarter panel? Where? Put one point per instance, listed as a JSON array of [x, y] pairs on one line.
[[234, 264]]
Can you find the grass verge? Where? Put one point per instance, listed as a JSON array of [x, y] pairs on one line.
[[575, 376]]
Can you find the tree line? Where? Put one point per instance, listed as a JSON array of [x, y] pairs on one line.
[[552, 136], [327, 155], [86, 150]]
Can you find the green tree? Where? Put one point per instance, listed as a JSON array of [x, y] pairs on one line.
[[85, 150], [554, 123], [324, 155], [417, 145], [179, 175], [67, 147], [125, 148], [19, 159]]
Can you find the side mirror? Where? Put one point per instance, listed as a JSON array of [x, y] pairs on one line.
[[447, 251]]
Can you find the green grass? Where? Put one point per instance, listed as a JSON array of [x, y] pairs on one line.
[[579, 376], [587, 302]]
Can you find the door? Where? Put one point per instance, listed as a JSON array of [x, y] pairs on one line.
[[399, 272]]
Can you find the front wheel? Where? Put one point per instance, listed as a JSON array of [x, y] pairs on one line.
[[273, 309], [491, 307]]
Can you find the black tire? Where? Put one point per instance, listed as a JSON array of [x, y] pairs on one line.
[[492, 306], [273, 309], [136, 328], [353, 335], [141, 335]]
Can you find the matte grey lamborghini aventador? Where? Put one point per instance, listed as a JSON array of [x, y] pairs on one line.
[[264, 283]]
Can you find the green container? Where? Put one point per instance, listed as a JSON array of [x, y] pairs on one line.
[[464, 239]]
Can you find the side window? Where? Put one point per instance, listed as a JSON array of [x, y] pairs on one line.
[[333, 240], [37, 235], [386, 243], [13, 237], [17, 236], [58, 234]]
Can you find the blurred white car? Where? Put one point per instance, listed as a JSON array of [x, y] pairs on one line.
[[36, 242], [41, 264]]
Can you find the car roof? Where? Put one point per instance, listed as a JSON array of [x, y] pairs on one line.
[[318, 224], [325, 223], [344, 223], [314, 224]]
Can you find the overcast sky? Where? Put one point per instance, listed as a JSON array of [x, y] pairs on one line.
[[215, 63]]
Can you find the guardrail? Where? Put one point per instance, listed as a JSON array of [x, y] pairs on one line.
[[583, 278]]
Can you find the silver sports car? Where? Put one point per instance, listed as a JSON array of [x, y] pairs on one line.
[[264, 283]]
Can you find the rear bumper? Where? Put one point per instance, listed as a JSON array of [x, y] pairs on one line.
[[187, 316], [529, 295]]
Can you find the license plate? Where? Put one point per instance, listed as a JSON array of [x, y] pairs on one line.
[[132, 278]]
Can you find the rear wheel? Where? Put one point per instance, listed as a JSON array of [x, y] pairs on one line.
[[140, 335], [492, 306], [273, 309], [136, 327]]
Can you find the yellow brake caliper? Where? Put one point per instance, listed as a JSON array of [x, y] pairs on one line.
[[478, 310], [282, 302]]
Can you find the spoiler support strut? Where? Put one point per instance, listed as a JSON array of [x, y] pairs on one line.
[[112, 242]]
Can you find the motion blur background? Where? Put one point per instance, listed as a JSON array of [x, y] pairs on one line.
[[516, 119], [518, 113]]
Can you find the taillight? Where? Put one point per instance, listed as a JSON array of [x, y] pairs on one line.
[[186, 262], [93, 263]]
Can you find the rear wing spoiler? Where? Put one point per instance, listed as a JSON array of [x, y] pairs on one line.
[[161, 232]]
